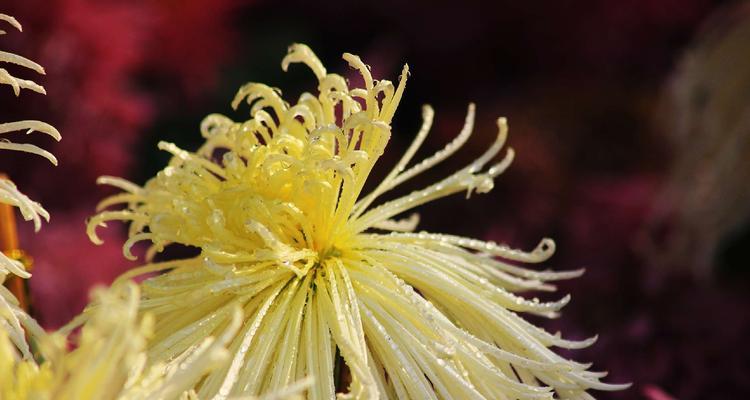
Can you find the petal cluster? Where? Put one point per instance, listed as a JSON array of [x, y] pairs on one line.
[[327, 276], [109, 360], [13, 319], [9, 194]]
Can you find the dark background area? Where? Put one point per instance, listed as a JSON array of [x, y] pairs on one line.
[[592, 93]]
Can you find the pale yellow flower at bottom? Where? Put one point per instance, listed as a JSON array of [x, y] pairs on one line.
[[110, 361], [274, 204]]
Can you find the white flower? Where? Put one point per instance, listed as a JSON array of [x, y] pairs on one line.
[[274, 204]]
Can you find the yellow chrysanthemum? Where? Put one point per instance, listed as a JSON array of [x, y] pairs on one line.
[[13, 319], [274, 205]]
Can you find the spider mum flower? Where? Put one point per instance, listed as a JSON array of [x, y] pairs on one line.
[[275, 205]]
